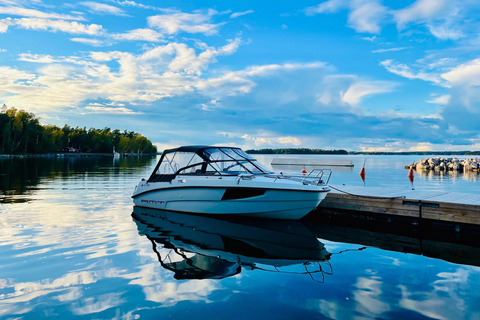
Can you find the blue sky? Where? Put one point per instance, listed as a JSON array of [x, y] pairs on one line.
[[337, 74]]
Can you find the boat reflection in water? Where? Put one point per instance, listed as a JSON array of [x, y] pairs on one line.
[[199, 247]]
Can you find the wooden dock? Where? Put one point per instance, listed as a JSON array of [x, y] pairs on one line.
[[451, 207]]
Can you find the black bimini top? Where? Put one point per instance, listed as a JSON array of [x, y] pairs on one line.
[[195, 149], [206, 160]]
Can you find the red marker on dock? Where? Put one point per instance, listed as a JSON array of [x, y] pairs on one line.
[[362, 172], [411, 176]]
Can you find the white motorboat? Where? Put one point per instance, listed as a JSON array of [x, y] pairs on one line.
[[226, 181]]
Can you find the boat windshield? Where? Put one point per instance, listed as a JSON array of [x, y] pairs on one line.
[[181, 163], [213, 161], [233, 162]]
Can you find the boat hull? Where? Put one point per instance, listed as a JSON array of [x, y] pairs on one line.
[[269, 203]]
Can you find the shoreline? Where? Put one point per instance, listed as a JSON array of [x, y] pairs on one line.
[[67, 155]]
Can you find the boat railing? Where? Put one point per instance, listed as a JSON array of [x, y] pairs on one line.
[[316, 176]]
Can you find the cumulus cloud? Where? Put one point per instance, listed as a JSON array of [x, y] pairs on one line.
[[174, 22], [163, 71], [463, 107], [466, 73]]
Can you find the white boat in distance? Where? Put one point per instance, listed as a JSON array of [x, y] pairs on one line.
[[226, 181]]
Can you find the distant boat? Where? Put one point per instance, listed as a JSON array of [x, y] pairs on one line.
[[116, 154]]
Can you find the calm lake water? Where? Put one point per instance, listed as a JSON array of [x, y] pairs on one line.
[[73, 246]]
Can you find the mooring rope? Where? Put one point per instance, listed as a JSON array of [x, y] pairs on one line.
[[362, 196]]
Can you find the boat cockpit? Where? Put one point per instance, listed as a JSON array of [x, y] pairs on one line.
[[205, 160]]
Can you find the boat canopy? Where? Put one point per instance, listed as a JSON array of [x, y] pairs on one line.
[[205, 160]]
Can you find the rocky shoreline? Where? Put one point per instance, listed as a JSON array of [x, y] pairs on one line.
[[446, 164]]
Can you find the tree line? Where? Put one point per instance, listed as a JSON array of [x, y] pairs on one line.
[[22, 133]]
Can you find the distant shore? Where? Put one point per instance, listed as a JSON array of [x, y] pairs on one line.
[[73, 155], [300, 151]]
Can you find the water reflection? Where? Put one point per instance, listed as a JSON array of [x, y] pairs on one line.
[[21, 177], [199, 247]]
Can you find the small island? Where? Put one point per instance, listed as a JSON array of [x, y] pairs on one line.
[[22, 134]]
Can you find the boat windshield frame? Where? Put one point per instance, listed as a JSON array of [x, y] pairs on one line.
[[229, 155]]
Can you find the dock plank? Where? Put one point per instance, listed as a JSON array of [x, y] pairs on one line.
[[435, 205]]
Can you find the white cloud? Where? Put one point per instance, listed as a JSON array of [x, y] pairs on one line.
[[440, 99], [36, 58], [444, 32], [135, 4], [364, 16], [98, 108], [464, 74], [359, 90], [420, 11], [444, 19], [72, 27], [405, 71], [140, 35], [240, 82], [175, 22], [421, 147], [239, 14], [4, 24], [371, 39], [267, 140], [329, 6], [160, 72], [91, 42], [213, 104], [388, 50], [102, 8], [24, 12]]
